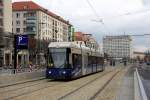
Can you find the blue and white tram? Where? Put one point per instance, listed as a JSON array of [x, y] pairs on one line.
[[69, 60]]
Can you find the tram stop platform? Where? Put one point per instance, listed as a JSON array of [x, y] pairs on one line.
[[132, 87], [126, 91]]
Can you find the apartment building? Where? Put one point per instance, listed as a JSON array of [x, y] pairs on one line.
[[5, 33], [5, 16], [118, 46], [139, 55], [87, 38], [30, 18]]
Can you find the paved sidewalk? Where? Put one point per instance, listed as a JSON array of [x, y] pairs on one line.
[[127, 87], [7, 80]]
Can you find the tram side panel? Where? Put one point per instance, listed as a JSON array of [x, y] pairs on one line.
[[77, 65], [84, 64], [94, 64], [89, 65], [100, 64]]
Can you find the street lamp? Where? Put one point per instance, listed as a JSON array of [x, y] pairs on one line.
[[38, 57]]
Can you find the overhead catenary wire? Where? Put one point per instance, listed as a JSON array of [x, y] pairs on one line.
[[124, 14], [93, 9], [97, 15]]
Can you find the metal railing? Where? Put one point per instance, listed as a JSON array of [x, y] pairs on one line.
[[139, 92]]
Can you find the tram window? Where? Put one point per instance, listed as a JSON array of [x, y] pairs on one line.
[[89, 61], [77, 60], [100, 60], [93, 60]]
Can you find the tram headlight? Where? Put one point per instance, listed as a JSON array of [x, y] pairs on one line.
[[64, 72], [49, 72], [50, 65]]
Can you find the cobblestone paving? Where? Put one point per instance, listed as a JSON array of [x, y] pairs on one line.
[[111, 90], [54, 92], [88, 91]]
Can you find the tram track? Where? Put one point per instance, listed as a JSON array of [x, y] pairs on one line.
[[56, 90], [11, 94], [20, 86], [103, 87], [88, 83], [95, 93]]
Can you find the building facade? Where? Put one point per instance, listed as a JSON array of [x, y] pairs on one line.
[[5, 16], [40, 24], [6, 40], [87, 38], [30, 18], [118, 46], [138, 55]]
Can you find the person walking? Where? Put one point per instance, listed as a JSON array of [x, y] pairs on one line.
[[30, 66], [125, 63]]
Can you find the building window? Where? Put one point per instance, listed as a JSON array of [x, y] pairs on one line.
[[1, 29], [24, 22], [24, 29], [31, 14], [17, 22], [53, 23], [18, 30], [1, 2], [1, 12], [1, 22], [17, 15], [25, 15]]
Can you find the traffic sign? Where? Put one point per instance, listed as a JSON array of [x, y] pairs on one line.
[[21, 41]]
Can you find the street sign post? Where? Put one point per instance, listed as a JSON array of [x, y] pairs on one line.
[[20, 43]]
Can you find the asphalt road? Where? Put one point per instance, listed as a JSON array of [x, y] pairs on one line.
[[144, 72]]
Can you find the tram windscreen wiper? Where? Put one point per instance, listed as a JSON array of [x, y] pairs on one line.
[[62, 66]]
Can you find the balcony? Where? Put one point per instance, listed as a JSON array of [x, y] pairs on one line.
[[31, 18], [31, 24], [31, 21], [31, 30]]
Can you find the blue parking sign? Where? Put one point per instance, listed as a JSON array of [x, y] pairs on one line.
[[22, 41]]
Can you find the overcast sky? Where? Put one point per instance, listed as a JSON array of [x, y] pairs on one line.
[[109, 17]]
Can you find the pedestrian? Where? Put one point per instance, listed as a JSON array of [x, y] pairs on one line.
[[125, 63], [114, 63], [30, 66]]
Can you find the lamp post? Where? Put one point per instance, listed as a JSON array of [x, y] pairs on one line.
[[38, 56]]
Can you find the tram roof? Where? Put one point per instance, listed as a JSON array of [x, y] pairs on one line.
[[67, 44], [75, 44]]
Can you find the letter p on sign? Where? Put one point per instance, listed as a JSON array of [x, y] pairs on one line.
[[20, 39]]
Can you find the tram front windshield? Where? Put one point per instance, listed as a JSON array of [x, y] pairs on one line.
[[57, 58]]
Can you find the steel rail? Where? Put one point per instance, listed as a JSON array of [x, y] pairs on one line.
[[34, 90], [103, 87], [77, 89]]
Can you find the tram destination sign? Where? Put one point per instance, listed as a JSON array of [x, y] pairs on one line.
[[21, 41]]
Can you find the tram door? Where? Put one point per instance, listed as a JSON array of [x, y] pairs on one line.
[[84, 64], [77, 64]]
